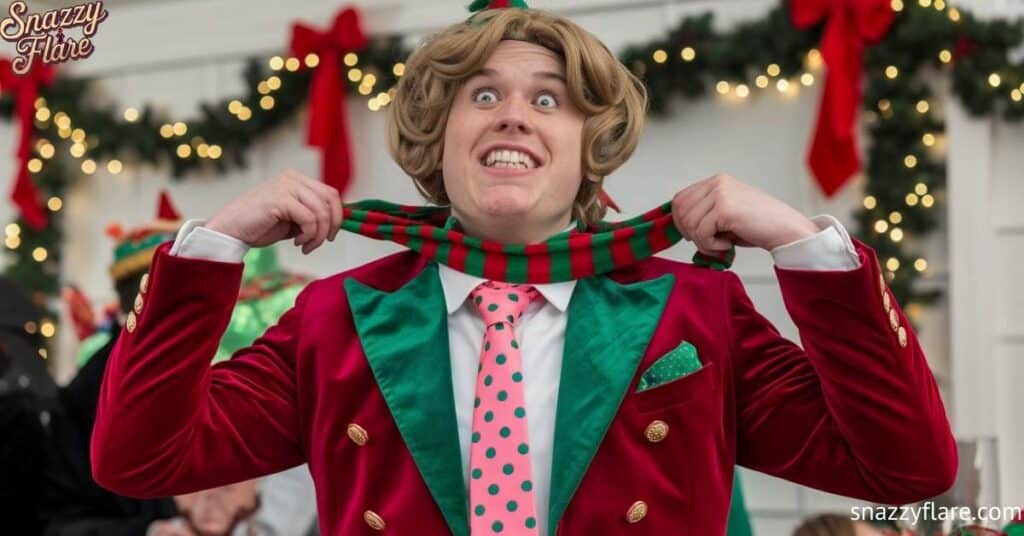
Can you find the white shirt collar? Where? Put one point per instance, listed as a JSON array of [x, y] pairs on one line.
[[457, 286]]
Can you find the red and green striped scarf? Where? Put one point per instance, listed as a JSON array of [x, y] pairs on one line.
[[573, 254]]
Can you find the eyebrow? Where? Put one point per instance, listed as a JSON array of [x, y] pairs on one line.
[[546, 75]]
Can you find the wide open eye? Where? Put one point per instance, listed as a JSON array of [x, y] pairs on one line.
[[485, 91], [547, 97]]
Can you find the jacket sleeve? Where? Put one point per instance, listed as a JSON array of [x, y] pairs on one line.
[[856, 411], [167, 421]]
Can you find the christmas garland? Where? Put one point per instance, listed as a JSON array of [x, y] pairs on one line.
[[904, 169]]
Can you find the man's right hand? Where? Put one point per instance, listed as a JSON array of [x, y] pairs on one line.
[[291, 205]]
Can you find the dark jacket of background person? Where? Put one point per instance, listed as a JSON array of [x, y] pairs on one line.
[[27, 397], [72, 502]]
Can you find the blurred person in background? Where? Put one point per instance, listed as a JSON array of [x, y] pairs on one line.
[[76, 506], [223, 511], [836, 525], [27, 399], [72, 504]]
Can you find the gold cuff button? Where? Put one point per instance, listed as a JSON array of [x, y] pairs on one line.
[[894, 320], [886, 301], [138, 303], [902, 334], [637, 512], [130, 323], [656, 431], [881, 281], [373, 520], [358, 434], [144, 284]]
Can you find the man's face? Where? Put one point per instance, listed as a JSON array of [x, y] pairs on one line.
[[518, 100]]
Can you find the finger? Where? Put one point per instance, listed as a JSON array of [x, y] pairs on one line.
[[316, 205], [685, 200], [332, 198], [708, 239], [313, 203], [338, 215], [314, 188], [695, 214], [695, 191], [299, 214]]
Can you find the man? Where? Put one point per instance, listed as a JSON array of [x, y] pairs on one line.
[[572, 390]]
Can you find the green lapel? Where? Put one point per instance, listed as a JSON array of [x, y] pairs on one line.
[[405, 337], [609, 327]]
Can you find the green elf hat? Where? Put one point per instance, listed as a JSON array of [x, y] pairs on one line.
[[267, 292], [135, 247]]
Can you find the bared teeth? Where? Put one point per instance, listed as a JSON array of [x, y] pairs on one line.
[[508, 158]]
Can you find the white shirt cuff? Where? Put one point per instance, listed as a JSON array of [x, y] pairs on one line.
[[197, 242], [829, 249]]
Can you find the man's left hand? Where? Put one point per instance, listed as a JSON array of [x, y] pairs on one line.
[[720, 211]]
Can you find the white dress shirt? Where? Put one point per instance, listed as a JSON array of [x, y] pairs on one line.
[[541, 331]]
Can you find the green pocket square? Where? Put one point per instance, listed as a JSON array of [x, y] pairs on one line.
[[678, 362]]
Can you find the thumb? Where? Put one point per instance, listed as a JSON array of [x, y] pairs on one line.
[[719, 244], [732, 239]]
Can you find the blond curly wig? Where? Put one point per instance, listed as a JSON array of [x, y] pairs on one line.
[[612, 99]]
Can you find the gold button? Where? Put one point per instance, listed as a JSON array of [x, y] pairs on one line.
[[881, 281], [886, 301], [144, 284], [656, 431], [358, 434], [637, 512], [373, 520], [902, 334], [130, 323], [138, 303], [894, 320]]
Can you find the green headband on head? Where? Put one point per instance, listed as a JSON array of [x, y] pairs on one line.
[[479, 6]]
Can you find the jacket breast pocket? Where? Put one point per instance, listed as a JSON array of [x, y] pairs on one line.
[[700, 383]]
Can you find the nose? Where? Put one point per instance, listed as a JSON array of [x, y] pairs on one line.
[[514, 116]]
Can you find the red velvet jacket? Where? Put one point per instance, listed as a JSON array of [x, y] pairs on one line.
[[356, 381]]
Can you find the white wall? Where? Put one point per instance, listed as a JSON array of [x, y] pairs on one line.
[[986, 249], [177, 53]]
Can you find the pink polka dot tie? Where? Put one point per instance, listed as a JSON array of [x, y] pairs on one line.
[[501, 498]]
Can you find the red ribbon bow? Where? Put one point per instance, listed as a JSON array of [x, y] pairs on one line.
[[25, 89], [851, 26], [328, 120]]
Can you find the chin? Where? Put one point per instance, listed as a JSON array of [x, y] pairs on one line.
[[506, 204]]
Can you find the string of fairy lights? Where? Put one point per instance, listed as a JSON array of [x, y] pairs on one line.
[[904, 170], [195, 147], [789, 87]]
